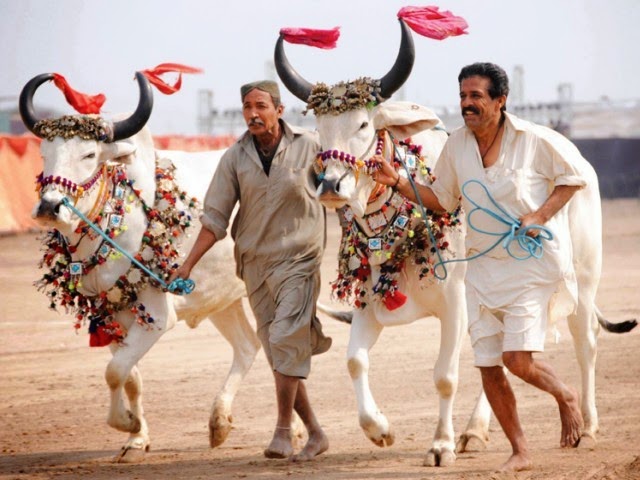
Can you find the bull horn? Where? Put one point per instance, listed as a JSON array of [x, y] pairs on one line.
[[132, 125], [401, 69], [25, 103], [290, 78]]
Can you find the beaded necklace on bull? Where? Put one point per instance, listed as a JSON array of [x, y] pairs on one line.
[[395, 231], [166, 224]]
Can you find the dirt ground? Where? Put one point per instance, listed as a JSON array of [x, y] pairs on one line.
[[53, 397]]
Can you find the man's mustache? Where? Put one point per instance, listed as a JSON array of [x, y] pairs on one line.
[[255, 121], [470, 110]]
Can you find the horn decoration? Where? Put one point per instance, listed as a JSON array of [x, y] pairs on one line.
[[121, 129], [390, 83]]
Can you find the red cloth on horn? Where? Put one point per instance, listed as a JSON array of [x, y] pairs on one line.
[[315, 38], [431, 22], [81, 102], [394, 300], [153, 75]]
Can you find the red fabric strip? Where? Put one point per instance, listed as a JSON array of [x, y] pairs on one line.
[[153, 75], [81, 102], [432, 23], [394, 300], [315, 38]]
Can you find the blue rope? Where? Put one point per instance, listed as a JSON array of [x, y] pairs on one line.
[[179, 286], [532, 245]]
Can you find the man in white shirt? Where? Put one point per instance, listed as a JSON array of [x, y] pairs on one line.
[[531, 172]]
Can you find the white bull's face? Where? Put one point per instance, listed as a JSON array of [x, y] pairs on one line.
[[350, 133], [71, 168]]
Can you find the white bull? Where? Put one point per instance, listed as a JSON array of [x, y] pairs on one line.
[[348, 129], [382, 236], [111, 178]]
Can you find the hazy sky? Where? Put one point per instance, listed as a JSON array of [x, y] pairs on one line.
[[98, 45]]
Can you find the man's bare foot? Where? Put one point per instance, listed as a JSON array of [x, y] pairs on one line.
[[280, 446], [517, 463], [571, 419], [318, 443]]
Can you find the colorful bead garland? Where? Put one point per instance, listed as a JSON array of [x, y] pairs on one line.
[[166, 227], [351, 161], [404, 237]]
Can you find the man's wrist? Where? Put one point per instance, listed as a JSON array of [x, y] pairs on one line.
[[398, 184]]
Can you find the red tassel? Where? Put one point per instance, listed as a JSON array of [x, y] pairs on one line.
[[315, 38], [432, 23], [153, 75], [394, 300], [100, 338], [81, 102]]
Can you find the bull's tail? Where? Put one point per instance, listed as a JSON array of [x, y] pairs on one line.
[[620, 327], [340, 315]]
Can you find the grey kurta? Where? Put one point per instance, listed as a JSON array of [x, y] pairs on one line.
[[279, 234]]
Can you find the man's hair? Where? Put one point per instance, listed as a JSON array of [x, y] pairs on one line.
[[496, 75], [267, 86]]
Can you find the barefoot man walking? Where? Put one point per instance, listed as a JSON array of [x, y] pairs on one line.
[[531, 172]]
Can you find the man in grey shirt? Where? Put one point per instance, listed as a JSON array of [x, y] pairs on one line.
[[279, 233]]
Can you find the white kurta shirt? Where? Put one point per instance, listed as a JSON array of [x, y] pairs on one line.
[[532, 161]]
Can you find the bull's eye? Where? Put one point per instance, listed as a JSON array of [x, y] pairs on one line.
[[90, 155], [364, 125]]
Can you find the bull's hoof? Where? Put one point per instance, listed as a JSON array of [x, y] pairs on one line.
[[374, 428], [385, 440], [471, 442], [439, 458], [219, 428], [587, 442], [131, 454]]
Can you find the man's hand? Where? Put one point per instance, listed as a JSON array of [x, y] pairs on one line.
[[533, 218], [182, 271], [386, 174], [559, 197]]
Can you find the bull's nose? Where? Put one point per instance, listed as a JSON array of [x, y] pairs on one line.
[[330, 186], [48, 209]]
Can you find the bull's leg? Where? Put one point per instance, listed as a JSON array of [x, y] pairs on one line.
[[476, 434], [585, 221], [122, 375], [138, 442], [235, 327], [584, 329], [445, 376], [365, 331]]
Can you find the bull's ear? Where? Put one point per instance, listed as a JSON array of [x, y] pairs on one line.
[[403, 119], [122, 151]]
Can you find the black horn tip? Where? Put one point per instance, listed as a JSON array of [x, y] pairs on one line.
[[399, 73], [25, 102], [138, 119], [291, 79]]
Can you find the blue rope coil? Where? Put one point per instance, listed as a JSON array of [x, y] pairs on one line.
[[178, 286], [182, 286], [513, 233]]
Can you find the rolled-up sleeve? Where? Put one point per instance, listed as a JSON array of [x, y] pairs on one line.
[[221, 197], [561, 162]]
